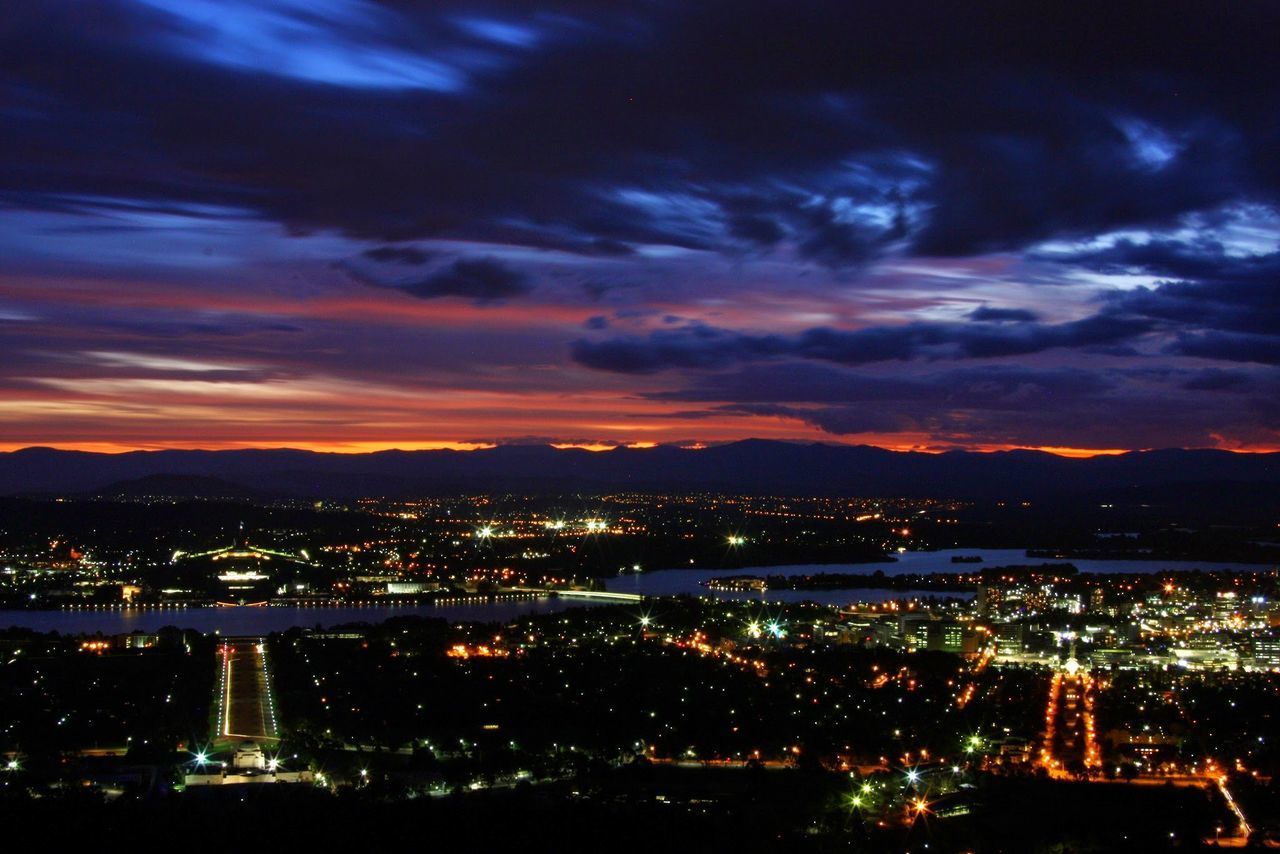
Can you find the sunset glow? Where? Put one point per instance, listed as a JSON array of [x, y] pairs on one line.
[[471, 241]]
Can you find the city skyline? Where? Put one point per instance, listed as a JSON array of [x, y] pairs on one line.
[[348, 226]]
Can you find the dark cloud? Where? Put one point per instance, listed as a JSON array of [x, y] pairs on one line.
[[482, 280], [700, 346], [991, 386], [987, 314], [758, 230], [595, 290], [1216, 379], [1232, 347], [999, 404], [842, 420], [1237, 305], [479, 279], [850, 129], [688, 347], [606, 247], [1220, 305], [837, 242], [398, 255]]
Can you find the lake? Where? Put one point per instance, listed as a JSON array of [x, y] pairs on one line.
[[665, 582], [670, 582], [261, 621]]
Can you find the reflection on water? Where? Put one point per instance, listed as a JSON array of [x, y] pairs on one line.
[[667, 582], [261, 621]]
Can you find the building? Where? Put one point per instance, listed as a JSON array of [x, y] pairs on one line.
[[405, 588], [1012, 749], [241, 573], [914, 630], [1010, 637], [990, 599], [1113, 657], [249, 765], [1206, 650], [951, 636], [1266, 651]]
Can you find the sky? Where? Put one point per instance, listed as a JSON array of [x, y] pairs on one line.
[[351, 225]]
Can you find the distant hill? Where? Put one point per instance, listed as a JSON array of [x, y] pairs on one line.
[[752, 466], [176, 486]]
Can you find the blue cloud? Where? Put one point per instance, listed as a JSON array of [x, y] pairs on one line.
[[341, 42]]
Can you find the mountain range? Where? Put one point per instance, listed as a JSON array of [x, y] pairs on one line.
[[750, 466]]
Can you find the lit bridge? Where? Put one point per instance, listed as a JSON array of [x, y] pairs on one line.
[[599, 594], [586, 594]]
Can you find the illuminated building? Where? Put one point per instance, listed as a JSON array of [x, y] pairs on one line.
[[950, 636], [249, 765], [990, 598], [1266, 651], [242, 572], [1011, 637]]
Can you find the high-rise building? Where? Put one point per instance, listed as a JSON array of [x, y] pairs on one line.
[[990, 598]]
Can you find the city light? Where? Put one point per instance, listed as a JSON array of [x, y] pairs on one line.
[[378, 374], [764, 671]]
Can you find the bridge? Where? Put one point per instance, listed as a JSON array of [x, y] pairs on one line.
[[599, 594], [604, 595], [246, 707]]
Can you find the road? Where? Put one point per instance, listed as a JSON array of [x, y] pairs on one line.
[[246, 709]]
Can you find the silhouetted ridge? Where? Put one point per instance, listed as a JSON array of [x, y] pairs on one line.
[[755, 466]]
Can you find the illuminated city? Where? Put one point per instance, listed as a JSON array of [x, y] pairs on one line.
[[894, 660], [664, 426]]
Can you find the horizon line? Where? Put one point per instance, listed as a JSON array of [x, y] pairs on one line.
[[365, 448]]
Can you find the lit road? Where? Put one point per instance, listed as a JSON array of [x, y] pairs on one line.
[[1070, 733], [1241, 836], [245, 707]]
